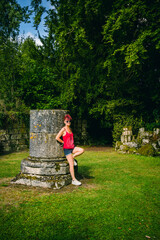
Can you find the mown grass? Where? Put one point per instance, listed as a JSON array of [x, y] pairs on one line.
[[119, 199]]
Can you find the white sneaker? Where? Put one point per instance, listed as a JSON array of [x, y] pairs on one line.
[[76, 182], [75, 162]]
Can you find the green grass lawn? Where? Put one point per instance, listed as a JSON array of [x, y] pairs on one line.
[[119, 199]]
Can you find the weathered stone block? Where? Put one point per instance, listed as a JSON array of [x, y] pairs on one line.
[[44, 168], [7, 137], [155, 145], [49, 121], [141, 130], [127, 133], [13, 136], [45, 145], [55, 182], [125, 139], [156, 131], [145, 141], [122, 139], [129, 138], [132, 144], [14, 142], [19, 136]]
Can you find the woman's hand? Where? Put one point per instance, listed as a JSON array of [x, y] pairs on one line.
[[60, 143], [58, 137]]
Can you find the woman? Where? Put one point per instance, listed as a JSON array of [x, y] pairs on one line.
[[69, 148]]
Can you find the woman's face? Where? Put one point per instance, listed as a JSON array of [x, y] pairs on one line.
[[67, 122]]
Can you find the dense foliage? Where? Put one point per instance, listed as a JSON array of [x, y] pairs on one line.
[[11, 15], [99, 59]]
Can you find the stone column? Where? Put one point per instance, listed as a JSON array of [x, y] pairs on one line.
[[126, 135], [46, 166]]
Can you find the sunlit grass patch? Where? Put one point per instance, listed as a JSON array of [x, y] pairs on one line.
[[10, 164]]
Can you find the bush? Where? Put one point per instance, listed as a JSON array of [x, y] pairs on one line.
[[147, 150]]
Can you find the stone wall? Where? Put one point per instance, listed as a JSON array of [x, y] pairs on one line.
[[145, 143], [15, 137]]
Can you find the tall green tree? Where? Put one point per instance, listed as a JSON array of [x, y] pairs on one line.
[[9, 72], [107, 58], [11, 15], [131, 37], [38, 86]]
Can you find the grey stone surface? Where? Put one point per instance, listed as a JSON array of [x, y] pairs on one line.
[[44, 125], [42, 181], [132, 144], [127, 133], [44, 168], [49, 121], [145, 141], [156, 131], [155, 145], [44, 145]]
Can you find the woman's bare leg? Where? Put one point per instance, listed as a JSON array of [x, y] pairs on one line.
[[77, 151], [71, 165]]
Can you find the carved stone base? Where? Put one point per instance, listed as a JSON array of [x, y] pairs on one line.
[[47, 173]]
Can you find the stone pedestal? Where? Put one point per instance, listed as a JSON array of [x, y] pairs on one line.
[[126, 135], [46, 166]]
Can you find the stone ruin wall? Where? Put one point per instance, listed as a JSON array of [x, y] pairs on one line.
[[15, 137], [130, 143]]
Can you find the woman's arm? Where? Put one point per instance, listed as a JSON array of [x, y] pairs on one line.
[[59, 135]]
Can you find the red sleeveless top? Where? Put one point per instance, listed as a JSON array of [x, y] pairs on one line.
[[68, 141]]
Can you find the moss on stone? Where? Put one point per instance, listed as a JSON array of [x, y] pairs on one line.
[[126, 148], [155, 137], [57, 167], [118, 144], [132, 150], [147, 150]]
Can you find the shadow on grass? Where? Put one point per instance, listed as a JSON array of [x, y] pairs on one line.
[[83, 172], [6, 153], [15, 152]]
